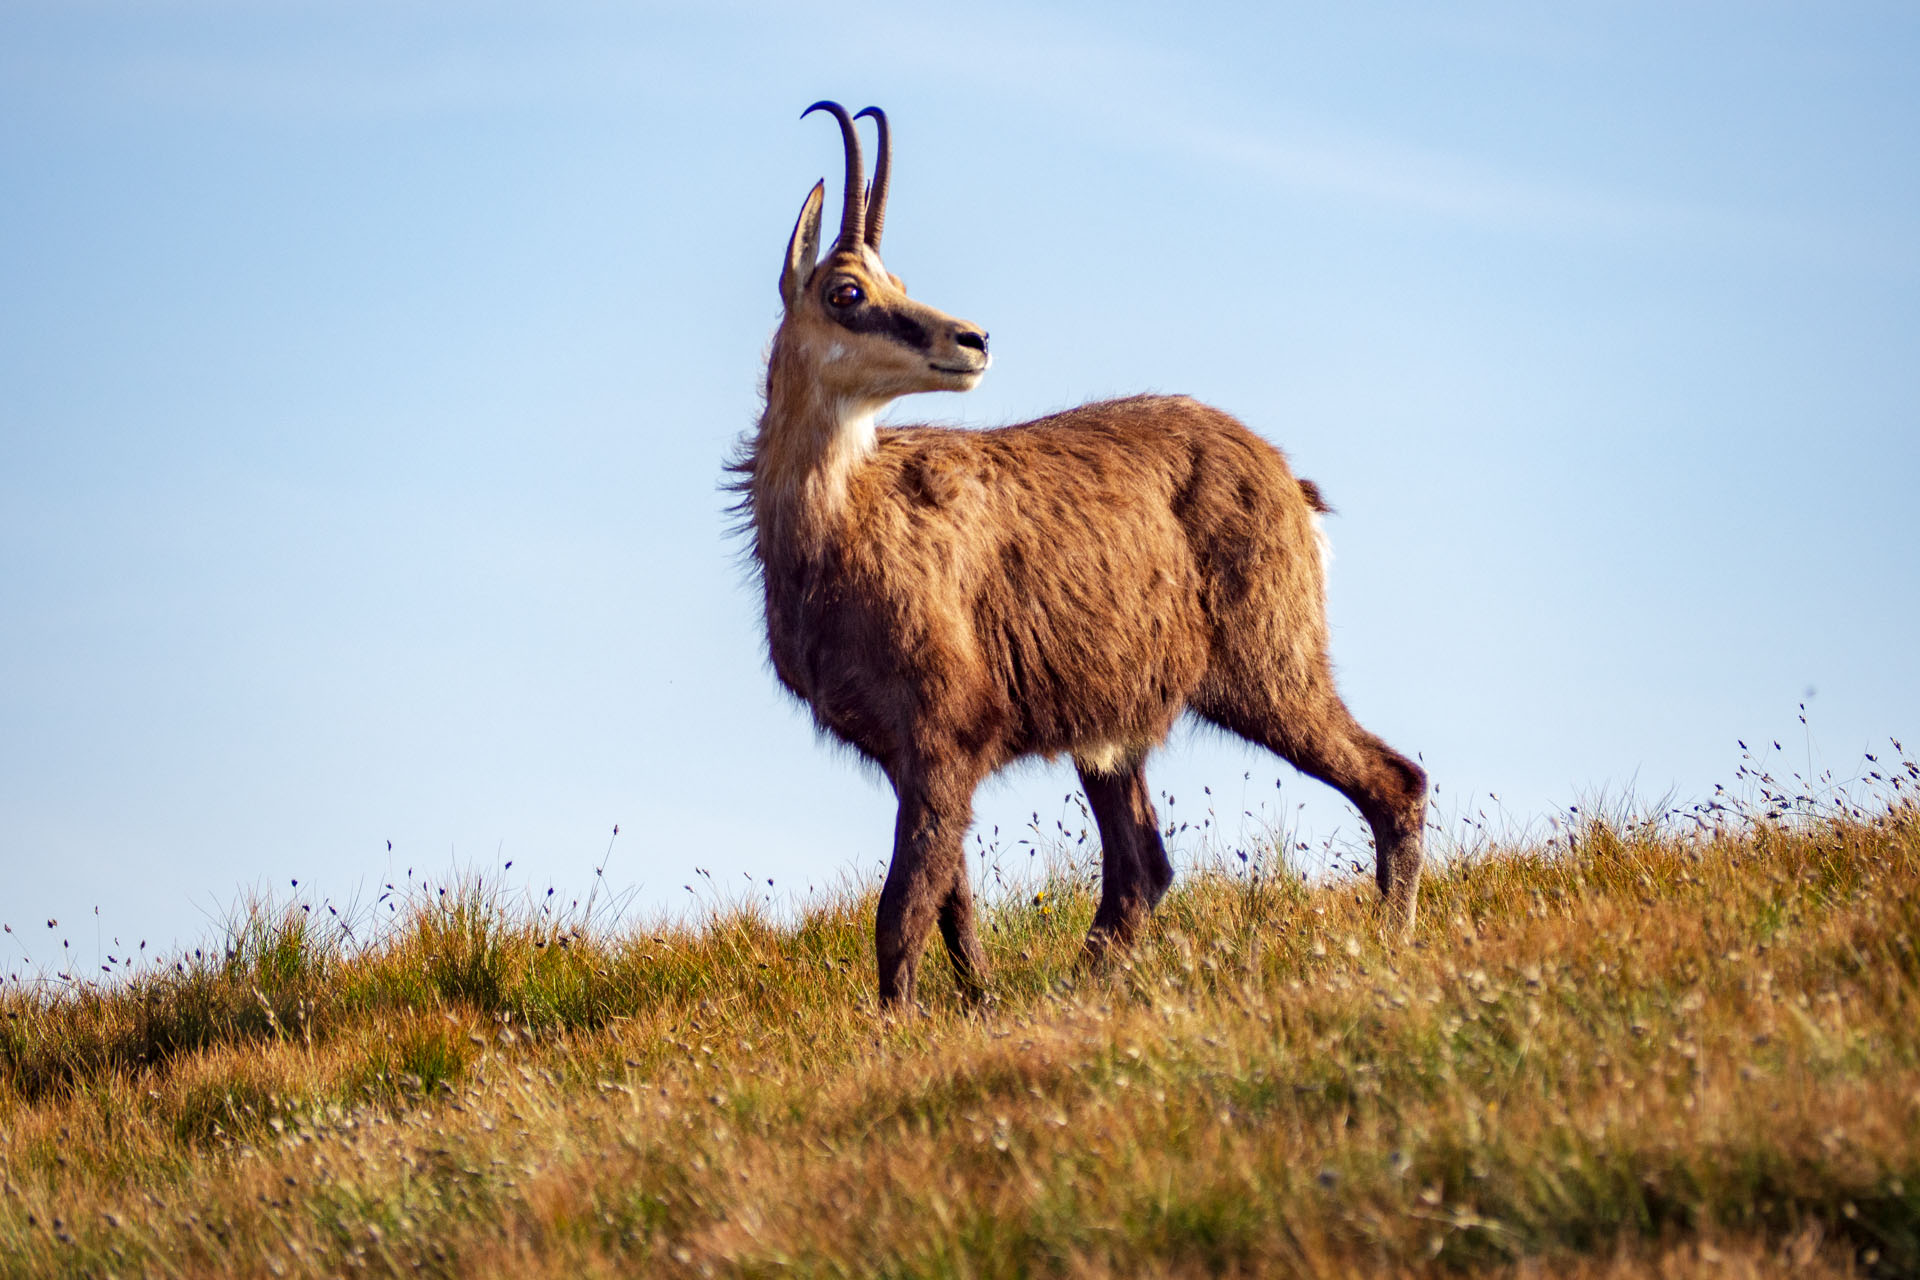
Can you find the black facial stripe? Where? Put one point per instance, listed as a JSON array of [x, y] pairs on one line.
[[889, 324]]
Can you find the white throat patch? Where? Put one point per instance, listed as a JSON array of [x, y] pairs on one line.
[[855, 437], [853, 441]]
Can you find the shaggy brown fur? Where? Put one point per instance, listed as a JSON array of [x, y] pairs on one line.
[[948, 601]]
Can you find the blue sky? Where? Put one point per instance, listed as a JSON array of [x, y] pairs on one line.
[[366, 371]]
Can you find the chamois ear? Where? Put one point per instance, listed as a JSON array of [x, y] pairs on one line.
[[803, 247]]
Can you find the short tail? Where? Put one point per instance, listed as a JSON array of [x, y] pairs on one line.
[[1311, 492]]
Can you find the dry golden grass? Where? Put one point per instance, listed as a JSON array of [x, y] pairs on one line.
[[1647, 1054]]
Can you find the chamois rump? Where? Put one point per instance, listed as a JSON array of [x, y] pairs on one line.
[[947, 601]]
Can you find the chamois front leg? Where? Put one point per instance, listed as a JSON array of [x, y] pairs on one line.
[[927, 881], [961, 934]]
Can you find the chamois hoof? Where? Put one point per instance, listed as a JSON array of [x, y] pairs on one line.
[[1396, 920], [1104, 947]]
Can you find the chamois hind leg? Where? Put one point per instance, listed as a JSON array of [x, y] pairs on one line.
[[927, 881], [1316, 733], [1134, 871]]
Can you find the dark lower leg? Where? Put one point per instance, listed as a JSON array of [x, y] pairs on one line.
[[962, 936], [1400, 848], [1134, 871], [925, 882], [1391, 793], [1321, 739], [900, 931]]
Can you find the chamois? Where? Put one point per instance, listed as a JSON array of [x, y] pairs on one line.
[[947, 601]]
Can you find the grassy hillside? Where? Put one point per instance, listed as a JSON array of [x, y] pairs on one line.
[[1628, 1051]]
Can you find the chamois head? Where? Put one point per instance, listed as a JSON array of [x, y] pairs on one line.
[[847, 316]]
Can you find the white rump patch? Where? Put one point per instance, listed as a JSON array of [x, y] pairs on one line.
[[1324, 545]]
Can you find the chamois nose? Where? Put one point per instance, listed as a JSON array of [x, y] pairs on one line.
[[971, 338]]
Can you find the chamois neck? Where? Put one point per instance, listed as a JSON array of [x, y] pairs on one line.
[[808, 445]]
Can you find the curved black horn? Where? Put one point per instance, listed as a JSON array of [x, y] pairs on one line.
[[853, 206], [882, 170]]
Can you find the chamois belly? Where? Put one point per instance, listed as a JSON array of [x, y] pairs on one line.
[[1093, 648], [1034, 654]]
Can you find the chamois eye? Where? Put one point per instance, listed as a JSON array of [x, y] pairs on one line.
[[844, 295]]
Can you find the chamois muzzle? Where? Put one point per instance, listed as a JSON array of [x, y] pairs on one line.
[[961, 355]]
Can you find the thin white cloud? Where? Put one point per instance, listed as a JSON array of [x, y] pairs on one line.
[[1462, 189], [1432, 182], [1136, 93]]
